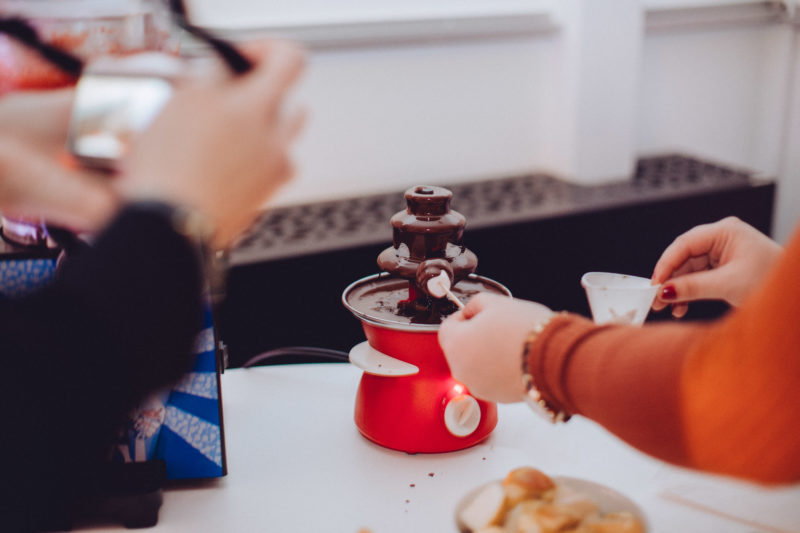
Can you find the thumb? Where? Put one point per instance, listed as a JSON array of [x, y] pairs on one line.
[[703, 285]]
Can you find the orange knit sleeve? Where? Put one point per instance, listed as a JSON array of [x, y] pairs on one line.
[[623, 377], [721, 397], [740, 384]]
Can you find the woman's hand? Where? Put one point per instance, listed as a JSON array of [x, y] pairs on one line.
[[725, 260], [221, 147], [484, 342], [34, 185], [36, 180], [39, 118]]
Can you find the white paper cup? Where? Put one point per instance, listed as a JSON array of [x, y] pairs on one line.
[[618, 298]]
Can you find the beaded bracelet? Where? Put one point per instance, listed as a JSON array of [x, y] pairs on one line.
[[532, 395]]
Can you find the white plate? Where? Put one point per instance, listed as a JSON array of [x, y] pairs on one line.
[[609, 500]]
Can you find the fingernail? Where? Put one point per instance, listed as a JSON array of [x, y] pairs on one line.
[[668, 293]]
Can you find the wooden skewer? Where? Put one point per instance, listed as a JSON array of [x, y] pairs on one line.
[[452, 297]]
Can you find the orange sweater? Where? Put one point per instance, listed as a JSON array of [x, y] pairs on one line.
[[722, 397]]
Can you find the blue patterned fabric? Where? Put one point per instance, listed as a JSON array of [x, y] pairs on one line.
[[189, 436], [200, 434], [181, 425], [18, 276], [202, 384]]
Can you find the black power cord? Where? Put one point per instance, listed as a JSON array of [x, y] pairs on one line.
[[323, 354]]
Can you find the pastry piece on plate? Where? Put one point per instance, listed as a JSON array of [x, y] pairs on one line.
[[536, 516], [574, 502], [527, 483], [529, 501], [486, 509]]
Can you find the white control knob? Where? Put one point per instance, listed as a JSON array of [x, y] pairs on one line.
[[462, 415]]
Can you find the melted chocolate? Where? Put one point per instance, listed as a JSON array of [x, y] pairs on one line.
[[426, 240], [378, 299]]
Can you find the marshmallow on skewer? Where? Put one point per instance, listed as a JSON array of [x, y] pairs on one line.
[[439, 287]]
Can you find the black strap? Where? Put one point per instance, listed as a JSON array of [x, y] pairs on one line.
[[26, 34]]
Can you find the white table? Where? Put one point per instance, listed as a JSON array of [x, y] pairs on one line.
[[296, 463]]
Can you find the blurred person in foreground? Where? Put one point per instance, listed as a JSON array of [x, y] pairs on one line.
[[119, 320], [721, 397]]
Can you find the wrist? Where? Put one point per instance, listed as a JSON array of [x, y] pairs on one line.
[[154, 193], [534, 394], [199, 231]]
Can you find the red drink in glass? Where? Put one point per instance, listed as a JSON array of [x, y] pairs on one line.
[[88, 29]]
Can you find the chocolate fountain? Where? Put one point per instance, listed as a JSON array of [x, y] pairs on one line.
[[407, 399]]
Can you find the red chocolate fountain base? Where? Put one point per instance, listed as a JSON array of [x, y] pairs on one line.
[[407, 399]]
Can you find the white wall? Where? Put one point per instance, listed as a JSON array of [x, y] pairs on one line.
[[391, 117], [723, 93], [789, 186], [714, 92], [582, 101]]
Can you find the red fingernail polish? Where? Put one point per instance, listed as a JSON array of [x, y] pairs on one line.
[[668, 293]]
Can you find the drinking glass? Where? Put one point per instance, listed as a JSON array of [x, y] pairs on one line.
[[618, 298]]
